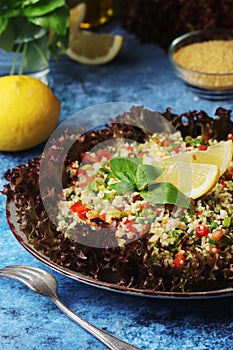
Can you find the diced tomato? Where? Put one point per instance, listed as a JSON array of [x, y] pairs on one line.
[[202, 230], [142, 154], [80, 209], [179, 260], [93, 158], [177, 149], [230, 137], [102, 153], [89, 158], [144, 205], [223, 183], [214, 250], [103, 217], [81, 172], [70, 166], [229, 176], [198, 213], [202, 148], [130, 148], [158, 211], [130, 225], [167, 143], [217, 234], [229, 173]]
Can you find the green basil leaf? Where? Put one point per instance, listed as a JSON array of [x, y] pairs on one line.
[[8, 4], [43, 7], [165, 193], [3, 24], [8, 13], [135, 160], [58, 20], [24, 31], [133, 171], [37, 55], [25, 3], [121, 187], [7, 39], [124, 169], [146, 174]]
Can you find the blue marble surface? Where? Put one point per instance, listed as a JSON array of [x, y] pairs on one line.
[[141, 74]]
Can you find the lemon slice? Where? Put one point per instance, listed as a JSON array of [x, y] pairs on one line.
[[194, 180], [219, 154], [93, 49], [77, 15]]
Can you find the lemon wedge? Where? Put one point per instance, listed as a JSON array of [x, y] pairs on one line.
[[87, 47], [219, 154], [194, 180], [77, 15], [195, 173], [93, 48]]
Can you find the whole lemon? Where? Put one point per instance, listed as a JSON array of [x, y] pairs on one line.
[[29, 112]]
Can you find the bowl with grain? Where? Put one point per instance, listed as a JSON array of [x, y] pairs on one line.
[[203, 59]]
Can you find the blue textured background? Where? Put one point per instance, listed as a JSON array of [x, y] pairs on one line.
[[140, 74]]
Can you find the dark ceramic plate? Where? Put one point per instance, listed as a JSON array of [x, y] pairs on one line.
[[20, 236]]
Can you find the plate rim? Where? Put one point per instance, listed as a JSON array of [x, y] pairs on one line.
[[11, 211]]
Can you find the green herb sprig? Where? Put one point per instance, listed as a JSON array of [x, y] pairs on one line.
[[23, 24], [134, 175]]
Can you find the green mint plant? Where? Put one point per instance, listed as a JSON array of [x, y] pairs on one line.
[[134, 175], [34, 28]]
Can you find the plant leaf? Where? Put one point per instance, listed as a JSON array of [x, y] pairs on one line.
[[58, 20], [124, 169], [42, 8], [8, 4], [121, 187], [132, 170], [58, 44], [37, 54], [24, 31], [3, 24], [165, 193], [7, 39], [146, 174], [8, 13], [28, 2]]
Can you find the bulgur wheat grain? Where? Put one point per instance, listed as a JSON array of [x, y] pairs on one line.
[[211, 61]]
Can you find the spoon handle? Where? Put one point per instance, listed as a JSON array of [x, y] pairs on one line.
[[109, 340]]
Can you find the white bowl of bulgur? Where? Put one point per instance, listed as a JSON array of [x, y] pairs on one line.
[[204, 60]]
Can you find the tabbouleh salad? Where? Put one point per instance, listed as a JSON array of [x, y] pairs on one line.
[[157, 246]]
